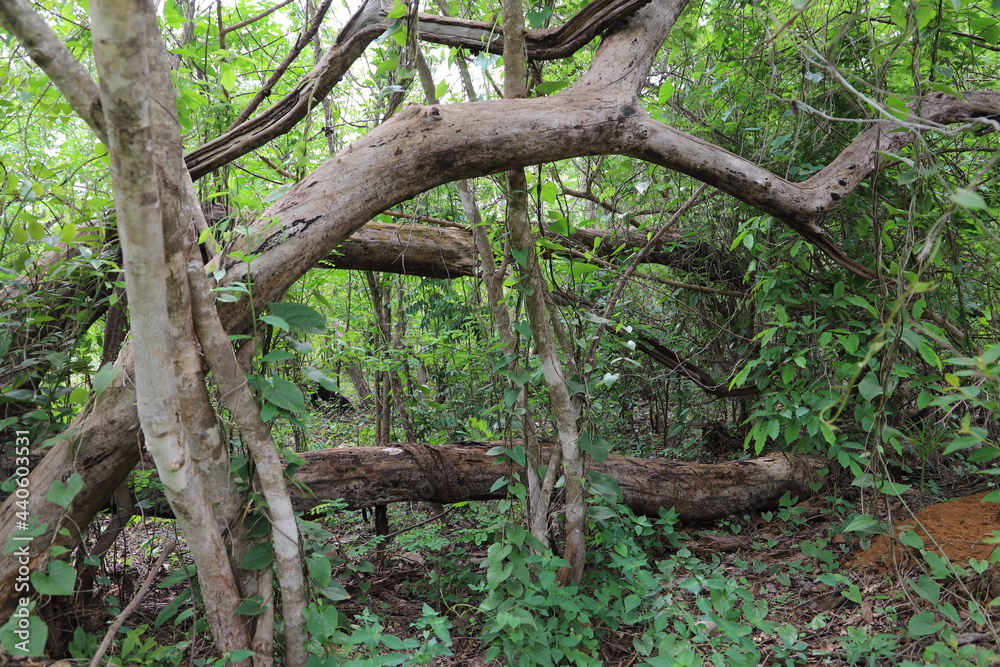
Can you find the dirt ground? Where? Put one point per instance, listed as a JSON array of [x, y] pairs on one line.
[[959, 529]]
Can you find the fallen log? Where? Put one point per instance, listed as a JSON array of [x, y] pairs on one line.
[[450, 473]]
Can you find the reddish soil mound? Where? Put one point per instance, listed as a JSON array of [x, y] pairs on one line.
[[960, 527]]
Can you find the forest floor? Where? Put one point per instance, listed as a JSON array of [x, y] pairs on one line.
[[849, 600], [830, 589], [779, 560]]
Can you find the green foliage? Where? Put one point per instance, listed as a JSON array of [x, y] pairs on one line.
[[24, 634], [868, 376]]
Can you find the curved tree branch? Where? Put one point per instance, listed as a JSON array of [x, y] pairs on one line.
[[362, 28], [803, 206], [539, 44], [365, 25]]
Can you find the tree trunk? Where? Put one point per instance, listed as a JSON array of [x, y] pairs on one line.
[[437, 252], [366, 476]]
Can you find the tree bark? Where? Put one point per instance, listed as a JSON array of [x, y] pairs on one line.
[[436, 252], [137, 96], [366, 476]]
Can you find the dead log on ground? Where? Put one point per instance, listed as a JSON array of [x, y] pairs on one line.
[[367, 476]]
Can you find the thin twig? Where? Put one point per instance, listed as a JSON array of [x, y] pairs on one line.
[[109, 636], [616, 293], [225, 30], [419, 523]]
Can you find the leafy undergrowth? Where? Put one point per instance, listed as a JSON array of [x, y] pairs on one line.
[[466, 588]]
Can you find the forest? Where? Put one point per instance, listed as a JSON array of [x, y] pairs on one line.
[[621, 332]]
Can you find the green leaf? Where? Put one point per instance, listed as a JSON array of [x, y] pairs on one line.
[[510, 395], [104, 377], [28, 639], [63, 494], [523, 328], [600, 513], [320, 569], [517, 454], [386, 65], [604, 485], [68, 233], [927, 588], [275, 322], [861, 302], [521, 256], [986, 26], [320, 378], [550, 87], [227, 77], [284, 394], [962, 442], [170, 610], [240, 655], [398, 10], [666, 90], [580, 269], [252, 606], [335, 591], [853, 593], [869, 387], [924, 399], [79, 395], [897, 107], [862, 523], [984, 454], [536, 19], [893, 488], [36, 230], [691, 585], [58, 580], [260, 556], [991, 355], [911, 539], [596, 446], [923, 624], [300, 317]]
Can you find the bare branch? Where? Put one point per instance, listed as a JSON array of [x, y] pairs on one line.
[[225, 30], [363, 27], [282, 67], [540, 44], [112, 631]]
